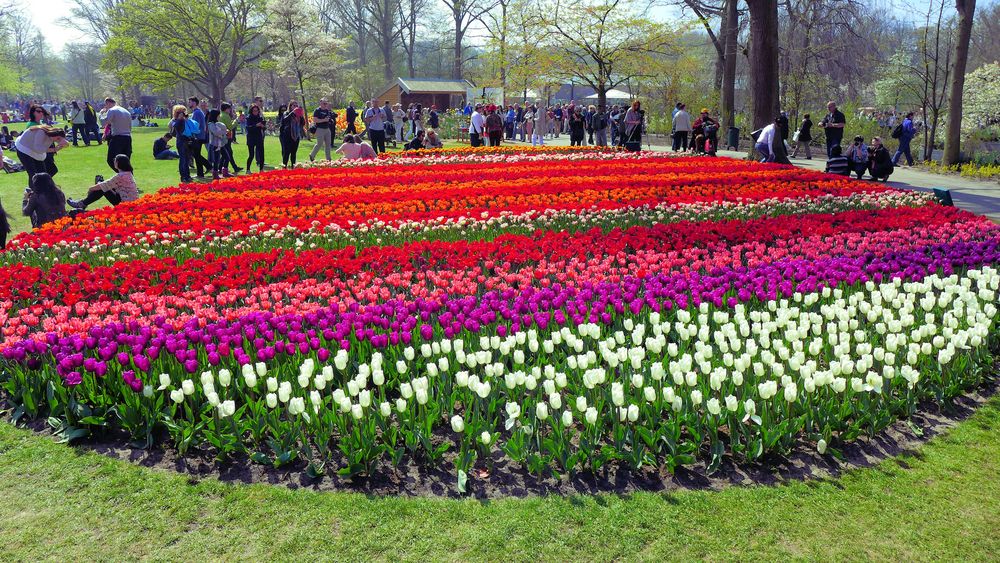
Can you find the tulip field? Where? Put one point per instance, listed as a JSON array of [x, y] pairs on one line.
[[564, 309]]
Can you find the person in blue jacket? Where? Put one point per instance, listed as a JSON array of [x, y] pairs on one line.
[[908, 131]]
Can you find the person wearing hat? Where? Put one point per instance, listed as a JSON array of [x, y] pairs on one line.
[[323, 120], [477, 126]]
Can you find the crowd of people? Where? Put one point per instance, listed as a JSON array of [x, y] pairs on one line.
[[858, 157], [490, 124], [204, 136]]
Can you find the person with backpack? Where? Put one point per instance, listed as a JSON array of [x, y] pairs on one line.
[[857, 154], [905, 132]]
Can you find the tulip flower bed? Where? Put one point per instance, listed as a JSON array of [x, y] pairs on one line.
[[565, 310]]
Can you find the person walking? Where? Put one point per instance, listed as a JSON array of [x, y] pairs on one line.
[[256, 126], [120, 120], [804, 137], [185, 131], [398, 119], [218, 136], [197, 114], [906, 132], [352, 116], [682, 128], [322, 119], [833, 126], [227, 116], [375, 122], [290, 132], [90, 122], [79, 121]]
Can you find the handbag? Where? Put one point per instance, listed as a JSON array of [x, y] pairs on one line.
[[795, 137]]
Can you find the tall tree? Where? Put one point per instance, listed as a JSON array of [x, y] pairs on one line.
[[728, 93], [385, 32], [93, 17], [953, 136], [83, 61], [463, 13], [204, 44], [409, 21], [606, 43], [347, 17], [763, 61], [308, 58]]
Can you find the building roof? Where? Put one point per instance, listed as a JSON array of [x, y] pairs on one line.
[[613, 94], [433, 85]]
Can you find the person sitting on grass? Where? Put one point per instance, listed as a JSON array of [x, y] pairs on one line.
[[432, 141], [161, 148], [837, 163], [43, 201], [417, 143], [349, 149], [121, 187], [366, 151]]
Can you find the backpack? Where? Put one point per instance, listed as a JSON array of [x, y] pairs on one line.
[[897, 132]]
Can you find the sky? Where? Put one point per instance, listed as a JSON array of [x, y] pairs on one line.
[[45, 14]]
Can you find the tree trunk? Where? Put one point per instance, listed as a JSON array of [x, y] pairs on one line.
[[763, 60], [953, 135], [456, 69], [728, 100]]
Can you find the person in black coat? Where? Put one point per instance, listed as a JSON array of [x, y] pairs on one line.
[[805, 136], [352, 116], [879, 161], [43, 201]]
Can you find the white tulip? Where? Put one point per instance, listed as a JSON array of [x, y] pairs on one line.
[[591, 415], [713, 406], [457, 424], [485, 438], [164, 381], [567, 418], [188, 387], [177, 396], [541, 411], [272, 400], [581, 403], [225, 377]]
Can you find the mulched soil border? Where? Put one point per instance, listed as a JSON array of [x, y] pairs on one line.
[[508, 479]]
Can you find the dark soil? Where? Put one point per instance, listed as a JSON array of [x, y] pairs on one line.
[[499, 477]]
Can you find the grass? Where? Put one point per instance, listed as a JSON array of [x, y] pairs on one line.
[[79, 165], [942, 502]]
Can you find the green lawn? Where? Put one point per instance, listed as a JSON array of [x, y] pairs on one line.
[[942, 503], [79, 165]]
